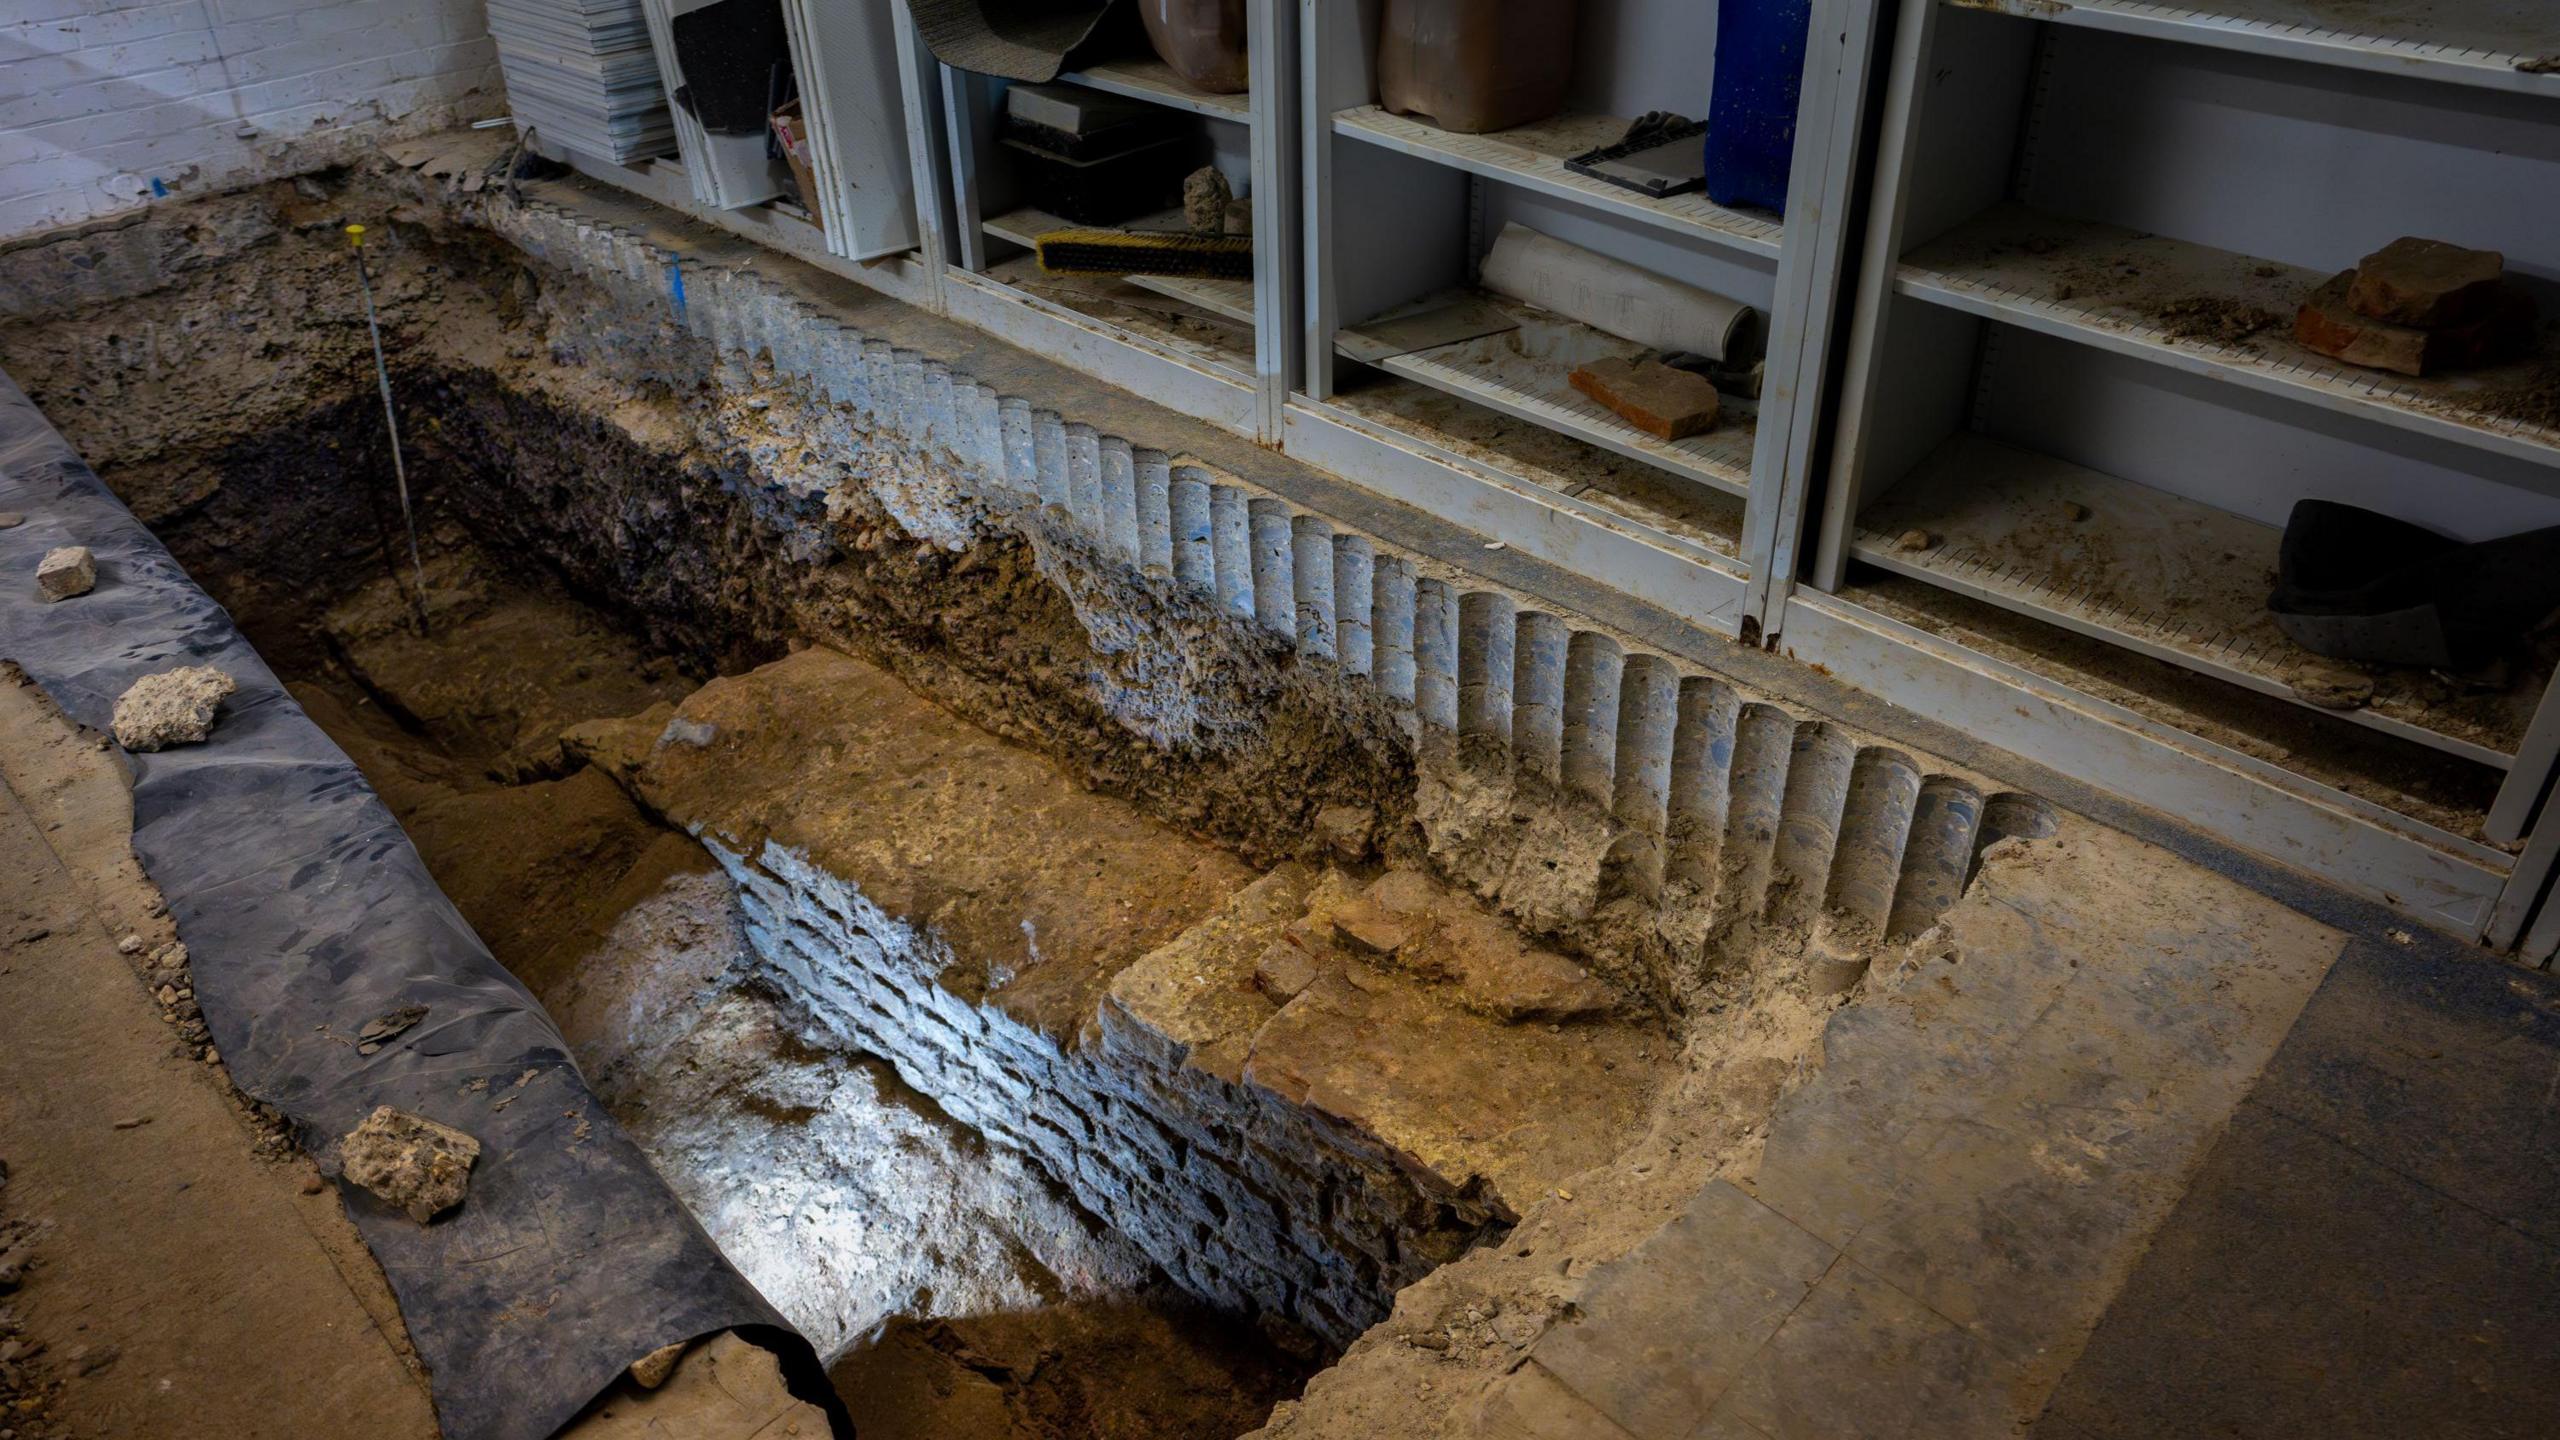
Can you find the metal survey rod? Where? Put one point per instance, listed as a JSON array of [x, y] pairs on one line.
[[391, 418]]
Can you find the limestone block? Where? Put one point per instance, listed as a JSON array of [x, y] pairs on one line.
[[66, 572], [409, 1161], [174, 707]]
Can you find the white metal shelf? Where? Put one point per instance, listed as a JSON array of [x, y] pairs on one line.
[[1153, 80], [1532, 156], [1525, 373], [1226, 299], [2157, 573], [2119, 290], [2494, 44]]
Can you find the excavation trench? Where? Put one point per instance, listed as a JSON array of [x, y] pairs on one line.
[[1079, 1011], [957, 1287], [1037, 1116]]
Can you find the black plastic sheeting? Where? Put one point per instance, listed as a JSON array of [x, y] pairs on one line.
[[307, 913]]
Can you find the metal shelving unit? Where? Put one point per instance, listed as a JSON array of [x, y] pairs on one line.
[[1149, 79], [1532, 157], [1402, 212], [2493, 44], [1223, 350], [2072, 394]]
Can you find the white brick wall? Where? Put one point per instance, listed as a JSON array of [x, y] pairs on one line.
[[107, 104]]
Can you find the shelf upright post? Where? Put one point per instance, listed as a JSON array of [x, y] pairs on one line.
[[1821, 190]]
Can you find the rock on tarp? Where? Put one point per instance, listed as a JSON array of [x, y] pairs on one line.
[[307, 911]]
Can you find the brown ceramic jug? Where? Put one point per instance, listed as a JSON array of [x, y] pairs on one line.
[[1203, 40], [1475, 65]]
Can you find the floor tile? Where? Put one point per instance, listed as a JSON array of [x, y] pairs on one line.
[[2302, 1290], [2445, 1070], [1673, 1321]]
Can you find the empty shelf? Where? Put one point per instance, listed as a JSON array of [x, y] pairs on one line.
[[1227, 299], [1153, 80], [2191, 306], [2498, 44], [1524, 372], [2154, 572], [1533, 156]]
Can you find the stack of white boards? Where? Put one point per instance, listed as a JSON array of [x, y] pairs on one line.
[[580, 74]]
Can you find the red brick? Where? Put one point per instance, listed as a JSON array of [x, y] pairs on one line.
[[2427, 283], [1663, 402], [2331, 326]]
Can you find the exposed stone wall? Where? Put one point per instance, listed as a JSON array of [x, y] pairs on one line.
[[743, 467], [1247, 1201], [1656, 819]]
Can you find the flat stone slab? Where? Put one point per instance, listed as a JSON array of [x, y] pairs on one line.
[[1394, 1024], [2373, 1247], [1039, 890]]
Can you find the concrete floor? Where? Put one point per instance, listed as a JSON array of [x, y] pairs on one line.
[[2373, 1248], [2149, 1155]]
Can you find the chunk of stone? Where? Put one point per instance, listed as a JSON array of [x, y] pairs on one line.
[[651, 1370], [2427, 283], [174, 707], [1369, 928], [2332, 687], [1912, 542], [1494, 970], [2329, 325], [1239, 216], [66, 572], [1205, 194], [409, 1161], [1284, 971], [11, 519], [1663, 401], [1345, 830]]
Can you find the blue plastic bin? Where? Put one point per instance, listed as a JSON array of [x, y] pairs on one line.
[[1751, 122]]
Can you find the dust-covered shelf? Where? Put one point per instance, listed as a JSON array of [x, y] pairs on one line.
[[2219, 314], [2494, 44], [1532, 157], [2169, 577], [1226, 299], [1152, 80], [1524, 370]]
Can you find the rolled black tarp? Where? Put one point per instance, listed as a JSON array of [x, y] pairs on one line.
[[307, 913]]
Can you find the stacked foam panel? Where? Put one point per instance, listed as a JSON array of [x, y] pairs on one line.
[[580, 73]]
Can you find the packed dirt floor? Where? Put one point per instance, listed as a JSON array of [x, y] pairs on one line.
[[153, 1227], [968, 1298]]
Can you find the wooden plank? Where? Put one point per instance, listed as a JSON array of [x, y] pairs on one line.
[[2443, 879]]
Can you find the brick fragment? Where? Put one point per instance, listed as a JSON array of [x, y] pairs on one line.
[[2427, 283], [2332, 327], [1663, 402]]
